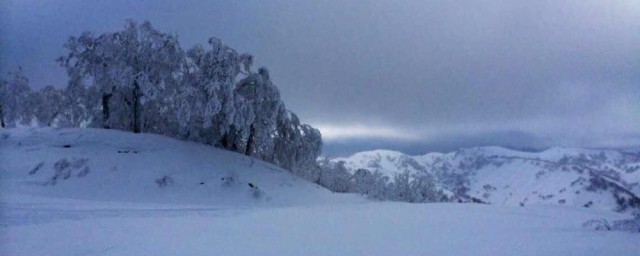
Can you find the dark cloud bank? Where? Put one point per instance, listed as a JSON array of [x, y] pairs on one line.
[[415, 76]]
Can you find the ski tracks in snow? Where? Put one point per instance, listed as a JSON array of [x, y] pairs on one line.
[[14, 214]]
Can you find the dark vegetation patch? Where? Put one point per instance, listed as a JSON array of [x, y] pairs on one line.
[[36, 168], [64, 169], [164, 181], [127, 151]]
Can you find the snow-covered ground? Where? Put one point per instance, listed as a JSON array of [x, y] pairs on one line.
[[61, 227], [109, 199]]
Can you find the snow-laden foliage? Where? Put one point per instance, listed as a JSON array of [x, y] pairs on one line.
[[137, 66], [14, 100], [49, 105], [404, 186], [335, 177], [141, 80], [205, 100]]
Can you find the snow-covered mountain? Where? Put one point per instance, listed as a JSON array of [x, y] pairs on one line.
[[604, 179]]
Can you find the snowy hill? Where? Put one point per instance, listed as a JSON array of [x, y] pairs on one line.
[[603, 179], [109, 165]]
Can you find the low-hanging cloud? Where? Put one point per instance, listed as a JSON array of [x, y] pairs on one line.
[[359, 131]]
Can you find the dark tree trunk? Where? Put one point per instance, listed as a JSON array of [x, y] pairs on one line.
[[225, 141], [228, 140], [137, 94], [250, 141], [2, 124], [105, 110]]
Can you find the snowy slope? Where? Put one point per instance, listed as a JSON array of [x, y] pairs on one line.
[[110, 165], [604, 179]]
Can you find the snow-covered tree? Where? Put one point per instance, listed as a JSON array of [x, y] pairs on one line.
[[287, 138], [310, 147], [134, 64], [91, 62], [14, 98], [362, 181], [414, 188], [206, 104], [247, 61], [372, 184], [276, 134], [297, 146], [379, 188], [139, 79], [424, 190], [50, 105], [264, 98], [151, 60], [82, 105], [335, 177], [400, 188]]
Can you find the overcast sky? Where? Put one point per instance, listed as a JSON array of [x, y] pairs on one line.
[[414, 76]]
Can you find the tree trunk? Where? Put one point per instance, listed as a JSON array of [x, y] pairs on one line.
[[2, 124], [135, 123], [229, 140], [251, 140], [53, 118], [225, 141], [105, 110]]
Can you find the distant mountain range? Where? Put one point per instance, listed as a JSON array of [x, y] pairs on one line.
[[602, 179]]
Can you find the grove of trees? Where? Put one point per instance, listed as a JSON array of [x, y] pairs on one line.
[[140, 79], [404, 187]]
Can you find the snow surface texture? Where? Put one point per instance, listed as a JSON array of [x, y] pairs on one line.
[[113, 165], [602, 179], [101, 192]]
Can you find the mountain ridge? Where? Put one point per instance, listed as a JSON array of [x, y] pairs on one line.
[[606, 179]]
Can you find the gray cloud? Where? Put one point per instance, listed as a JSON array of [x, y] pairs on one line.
[[443, 74]]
